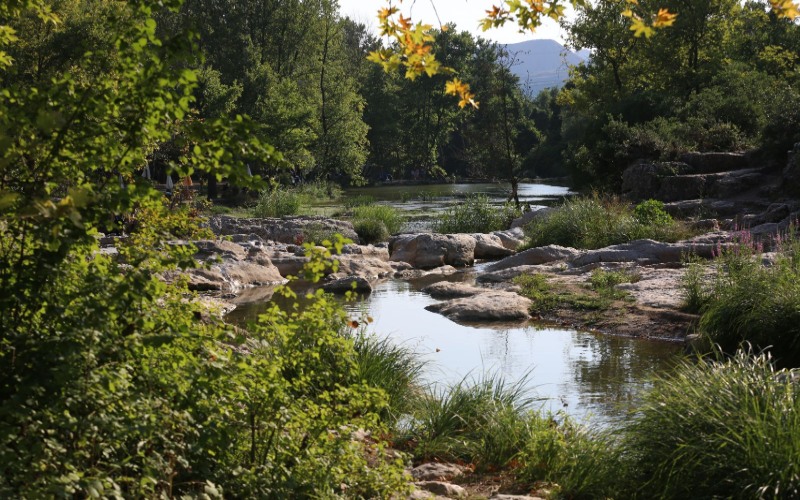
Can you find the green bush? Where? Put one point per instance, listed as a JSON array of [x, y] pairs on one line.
[[581, 463], [278, 203], [376, 222], [481, 421], [371, 230], [752, 303], [394, 369], [476, 215], [716, 430], [652, 213], [596, 222]]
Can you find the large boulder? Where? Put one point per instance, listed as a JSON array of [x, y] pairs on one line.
[[791, 174], [643, 180], [444, 290], [681, 187], [646, 252], [531, 216], [709, 163], [511, 238], [729, 184], [355, 284], [535, 256], [486, 307], [228, 266], [490, 246], [284, 230], [428, 250]]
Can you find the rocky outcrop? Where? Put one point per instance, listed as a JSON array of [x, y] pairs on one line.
[[445, 290], [712, 162], [791, 174], [701, 175], [489, 306], [643, 180], [535, 256], [531, 216], [428, 250], [646, 252], [230, 267], [284, 230], [355, 284], [436, 471], [443, 489], [490, 246], [511, 238]]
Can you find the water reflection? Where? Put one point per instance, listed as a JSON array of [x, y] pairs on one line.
[[589, 376]]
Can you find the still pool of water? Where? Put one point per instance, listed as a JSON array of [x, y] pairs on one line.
[[591, 377], [438, 197]]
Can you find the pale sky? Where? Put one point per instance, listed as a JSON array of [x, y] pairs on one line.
[[465, 13]]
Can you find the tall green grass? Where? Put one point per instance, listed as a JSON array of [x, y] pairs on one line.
[[278, 203], [726, 429], [476, 215], [393, 368], [482, 421], [596, 222], [751, 303], [375, 223]]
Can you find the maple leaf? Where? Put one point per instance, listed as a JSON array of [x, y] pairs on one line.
[[664, 18], [785, 8], [640, 28]]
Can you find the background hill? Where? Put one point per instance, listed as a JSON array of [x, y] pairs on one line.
[[543, 63]]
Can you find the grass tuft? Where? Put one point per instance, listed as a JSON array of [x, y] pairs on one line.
[[476, 215], [717, 430], [597, 222]]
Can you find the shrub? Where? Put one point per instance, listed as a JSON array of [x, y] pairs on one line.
[[596, 222], [394, 369], [476, 215], [756, 304], [376, 222], [278, 203], [371, 230], [652, 213], [480, 421], [581, 462], [717, 430]]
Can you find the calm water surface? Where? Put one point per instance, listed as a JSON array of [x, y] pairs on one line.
[[438, 197], [591, 377]]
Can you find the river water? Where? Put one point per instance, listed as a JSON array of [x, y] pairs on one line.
[[594, 378]]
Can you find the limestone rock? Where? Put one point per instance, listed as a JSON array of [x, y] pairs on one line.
[[505, 275], [285, 230], [713, 162], [645, 252], [443, 489], [512, 238], [531, 216], [490, 246], [437, 472], [445, 290], [485, 307], [371, 268], [230, 267], [535, 256], [643, 180], [428, 250], [344, 285]]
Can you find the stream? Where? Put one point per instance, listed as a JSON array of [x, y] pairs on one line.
[[591, 377]]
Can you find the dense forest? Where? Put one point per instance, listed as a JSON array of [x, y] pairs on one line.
[[116, 381]]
